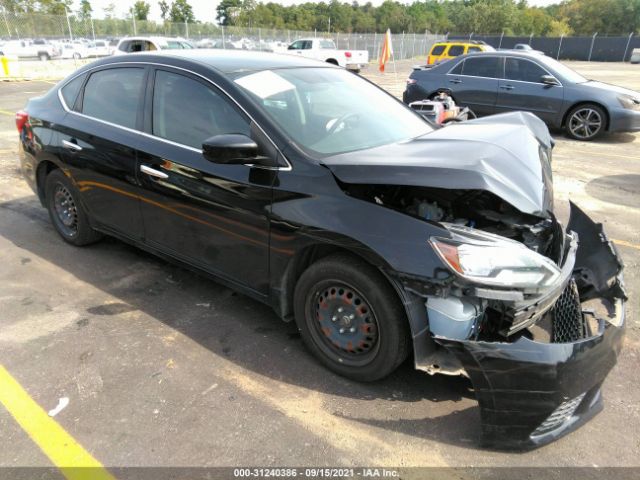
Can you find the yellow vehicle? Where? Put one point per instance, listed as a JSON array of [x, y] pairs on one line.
[[443, 51]]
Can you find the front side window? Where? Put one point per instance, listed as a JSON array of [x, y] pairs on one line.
[[188, 112], [455, 50], [307, 44], [113, 95], [481, 67], [329, 111], [296, 45], [523, 70], [124, 46], [437, 50]]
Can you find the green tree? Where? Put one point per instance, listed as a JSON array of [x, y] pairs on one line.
[[85, 10], [54, 7], [164, 9], [140, 10], [181, 12], [225, 11]]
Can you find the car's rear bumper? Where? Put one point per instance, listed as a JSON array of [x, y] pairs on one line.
[[624, 120], [531, 393]]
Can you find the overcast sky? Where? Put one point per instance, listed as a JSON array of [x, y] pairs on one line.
[[205, 10]]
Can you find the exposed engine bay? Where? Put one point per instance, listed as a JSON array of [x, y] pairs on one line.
[[472, 208]]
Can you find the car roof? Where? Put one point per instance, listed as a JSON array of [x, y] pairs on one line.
[[230, 61]]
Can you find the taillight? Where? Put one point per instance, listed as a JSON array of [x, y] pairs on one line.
[[22, 118], [429, 60], [347, 54]]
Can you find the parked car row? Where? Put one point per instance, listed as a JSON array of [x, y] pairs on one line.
[[47, 50]]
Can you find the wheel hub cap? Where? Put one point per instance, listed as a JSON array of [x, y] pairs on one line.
[[65, 207], [345, 320]]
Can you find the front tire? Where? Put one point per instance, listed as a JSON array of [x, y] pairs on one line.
[[351, 318], [66, 212], [77, 56], [44, 57], [586, 122]]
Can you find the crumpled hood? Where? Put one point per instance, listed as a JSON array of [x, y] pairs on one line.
[[499, 154]]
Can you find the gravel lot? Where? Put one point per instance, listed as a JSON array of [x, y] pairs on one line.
[[165, 368]]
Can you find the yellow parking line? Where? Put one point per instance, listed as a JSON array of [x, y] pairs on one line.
[[74, 462], [627, 244], [6, 112]]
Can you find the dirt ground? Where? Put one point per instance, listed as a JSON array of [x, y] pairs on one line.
[[165, 368]]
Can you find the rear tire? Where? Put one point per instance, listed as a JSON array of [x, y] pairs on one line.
[[351, 318], [44, 56], [66, 212], [77, 56]]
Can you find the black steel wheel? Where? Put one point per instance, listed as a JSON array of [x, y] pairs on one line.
[[351, 318], [66, 213], [586, 122]]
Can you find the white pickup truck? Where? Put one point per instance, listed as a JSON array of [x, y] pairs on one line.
[[325, 50], [41, 49]]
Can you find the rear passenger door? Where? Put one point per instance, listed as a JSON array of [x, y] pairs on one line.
[[98, 142], [474, 83], [522, 89]]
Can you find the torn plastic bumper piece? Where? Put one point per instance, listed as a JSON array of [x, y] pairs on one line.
[[530, 393]]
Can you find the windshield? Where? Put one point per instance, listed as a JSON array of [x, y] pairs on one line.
[[330, 111], [564, 71]]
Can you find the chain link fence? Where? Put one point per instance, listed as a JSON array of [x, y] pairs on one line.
[[405, 45], [69, 28]]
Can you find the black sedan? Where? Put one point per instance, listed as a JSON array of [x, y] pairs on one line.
[[316, 192], [507, 81]]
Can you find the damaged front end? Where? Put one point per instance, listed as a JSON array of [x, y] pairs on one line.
[[536, 339]]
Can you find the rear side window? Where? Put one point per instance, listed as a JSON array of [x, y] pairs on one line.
[[70, 91], [113, 95], [523, 70], [188, 112], [481, 67], [455, 50], [124, 46], [437, 50]]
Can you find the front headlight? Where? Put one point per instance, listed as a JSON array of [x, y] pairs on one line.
[[493, 260], [629, 102]]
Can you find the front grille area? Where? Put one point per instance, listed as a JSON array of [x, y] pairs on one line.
[[568, 324], [560, 415]]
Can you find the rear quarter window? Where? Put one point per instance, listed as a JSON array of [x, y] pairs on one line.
[[474, 49], [437, 50], [70, 91]]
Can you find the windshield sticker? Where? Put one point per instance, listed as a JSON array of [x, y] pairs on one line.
[[265, 84]]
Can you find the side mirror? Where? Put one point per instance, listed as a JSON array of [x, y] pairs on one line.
[[230, 148], [549, 80]]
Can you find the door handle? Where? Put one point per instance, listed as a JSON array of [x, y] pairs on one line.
[[71, 145], [153, 172], [507, 87], [455, 80]]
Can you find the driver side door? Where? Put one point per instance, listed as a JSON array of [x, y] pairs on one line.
[[210, 215]]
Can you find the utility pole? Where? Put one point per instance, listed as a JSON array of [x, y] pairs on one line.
[[69, 24], [329, 29], [625, 50], [93, 32], [593, 39]]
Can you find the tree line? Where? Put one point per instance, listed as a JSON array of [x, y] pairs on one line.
[[570, 17]]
